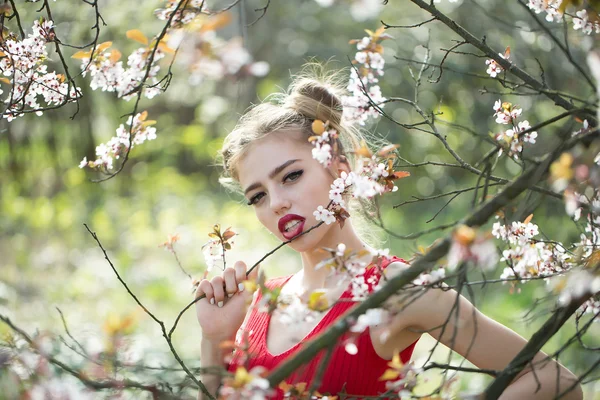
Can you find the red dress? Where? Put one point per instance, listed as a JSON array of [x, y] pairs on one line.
[[357, 375]]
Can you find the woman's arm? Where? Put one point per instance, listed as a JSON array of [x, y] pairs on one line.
[[211, 356], [221, 314], [455, 322]]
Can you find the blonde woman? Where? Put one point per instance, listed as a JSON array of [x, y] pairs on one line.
[[268, 156]]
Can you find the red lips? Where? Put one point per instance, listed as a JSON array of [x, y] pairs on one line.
[[297, 228]]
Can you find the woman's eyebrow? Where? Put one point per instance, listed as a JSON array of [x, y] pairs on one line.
[[272, 174]]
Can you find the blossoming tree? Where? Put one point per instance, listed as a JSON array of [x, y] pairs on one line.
[[556, 159]]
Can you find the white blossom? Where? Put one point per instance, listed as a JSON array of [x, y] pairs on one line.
[[121, 142], [322, 153], [373, 316], [325, 215]]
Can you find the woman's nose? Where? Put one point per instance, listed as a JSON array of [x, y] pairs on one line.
[[279, 201]]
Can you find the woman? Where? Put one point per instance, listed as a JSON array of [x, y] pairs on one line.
[[269, 157]]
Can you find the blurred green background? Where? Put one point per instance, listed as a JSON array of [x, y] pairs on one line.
[[169, 185]]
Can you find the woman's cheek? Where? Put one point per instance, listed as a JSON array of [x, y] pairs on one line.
[[261, 218]]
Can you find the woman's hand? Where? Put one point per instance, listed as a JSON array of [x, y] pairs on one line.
[[222, 311]]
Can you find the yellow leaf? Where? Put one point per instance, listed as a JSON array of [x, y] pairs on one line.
[[593, 261], [561, 168], [388, 375], [401, 174], [163, 47], [149, 123], [5, 80], [143, 115], [317, 301], [103, 46], [250, 286], [115, 55], [318, 127], [138, 36], [81, 55], [380, 30], [2, 54], [242, 377], [363, 150], [216, 22], [528, 219], [464, 235], [228, 234], [563, 5], [396, 363], [115, 324], [385, 150]]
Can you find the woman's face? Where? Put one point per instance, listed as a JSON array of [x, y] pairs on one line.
[[285, 185]]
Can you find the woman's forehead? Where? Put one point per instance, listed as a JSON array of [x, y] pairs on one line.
[[270, 152]]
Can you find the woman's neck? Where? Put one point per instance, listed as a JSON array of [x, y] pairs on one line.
[[313, 278]]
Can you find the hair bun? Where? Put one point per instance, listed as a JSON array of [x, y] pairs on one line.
[[315, 100]]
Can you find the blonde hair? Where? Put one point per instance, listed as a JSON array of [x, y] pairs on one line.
[[313, 94]]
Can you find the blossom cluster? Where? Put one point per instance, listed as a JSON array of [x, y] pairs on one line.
[[110, 75], [138, 131], [512, 140], [526, 256], [374, 174], [28, 365], [183, 15], [364, 78], [352, 265], [21, 64], [324, 142], [220, 58], [205, 55], [215, 60], [246, 385], [554, 10], [529, 258], [493, 67], [31, 375]]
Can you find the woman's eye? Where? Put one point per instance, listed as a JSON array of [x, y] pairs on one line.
[[254, 199], [292, 176]]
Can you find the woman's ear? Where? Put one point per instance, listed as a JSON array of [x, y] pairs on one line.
[[343, 164]]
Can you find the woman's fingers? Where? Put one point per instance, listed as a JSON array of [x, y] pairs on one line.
[[205, 287], [240, 274], [230, 282], [220, 288], [219, 293]]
